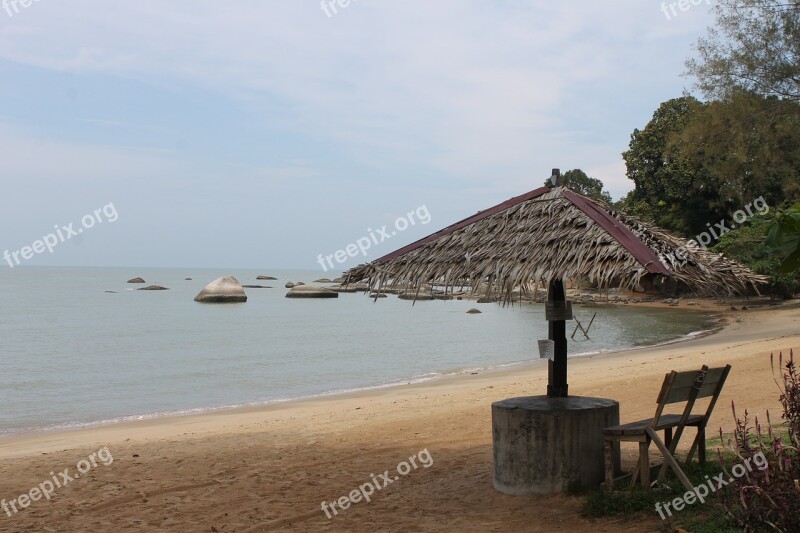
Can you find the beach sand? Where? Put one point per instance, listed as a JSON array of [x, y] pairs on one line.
[[269, 468]]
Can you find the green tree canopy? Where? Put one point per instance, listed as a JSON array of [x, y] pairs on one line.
[[577, 180], [754, 46], [662, 176], [696, 163]]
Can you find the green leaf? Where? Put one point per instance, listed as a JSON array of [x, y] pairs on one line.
[[791, 263]]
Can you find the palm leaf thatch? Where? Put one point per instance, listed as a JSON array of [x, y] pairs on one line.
[[552, 234]]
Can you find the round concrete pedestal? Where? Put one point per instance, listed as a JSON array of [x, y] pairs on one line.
[[546, 445]]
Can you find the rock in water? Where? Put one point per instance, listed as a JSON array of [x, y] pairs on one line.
[[474, 311], [421, 297], [136, 280], [222, 290], [339, 288], [266, 277], [153, 288], [311, 291], [289, 285]]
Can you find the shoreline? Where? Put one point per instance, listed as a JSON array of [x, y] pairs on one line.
[[51, 435], [719, 320], [267, 468]]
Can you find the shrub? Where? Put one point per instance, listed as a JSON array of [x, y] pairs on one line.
[[768, 499]]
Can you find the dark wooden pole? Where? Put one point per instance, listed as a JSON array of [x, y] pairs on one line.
[[557, 386], [557, 314]]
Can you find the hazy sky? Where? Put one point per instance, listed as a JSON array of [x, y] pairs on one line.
[[263, 133]]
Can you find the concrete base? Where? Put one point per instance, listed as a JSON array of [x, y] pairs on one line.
[[548, 445]]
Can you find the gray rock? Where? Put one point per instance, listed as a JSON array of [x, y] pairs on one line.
[[474, 311], [226, 289], [136, 280], [311, 291], [340, 288], [268, 278], [153, 288], [421, 297]]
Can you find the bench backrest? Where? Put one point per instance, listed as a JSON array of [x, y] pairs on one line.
[[689, 386]]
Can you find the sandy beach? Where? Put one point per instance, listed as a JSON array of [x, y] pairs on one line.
[[269, 468]]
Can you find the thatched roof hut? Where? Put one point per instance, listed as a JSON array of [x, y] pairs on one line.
[[552, 234]]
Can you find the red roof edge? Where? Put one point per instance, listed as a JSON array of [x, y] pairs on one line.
[[620, 232], [466, 222]]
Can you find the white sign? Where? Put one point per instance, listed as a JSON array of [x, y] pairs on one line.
[[547, 349]]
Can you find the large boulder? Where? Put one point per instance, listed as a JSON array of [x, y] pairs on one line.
[[222, 290], [311, 291]]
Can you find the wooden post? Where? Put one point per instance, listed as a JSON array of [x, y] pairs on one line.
[[557, 386]]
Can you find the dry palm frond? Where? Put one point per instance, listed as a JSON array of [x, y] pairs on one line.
[[553, 234]]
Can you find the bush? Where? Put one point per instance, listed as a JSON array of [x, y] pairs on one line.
[[747, 244], [768, 499]]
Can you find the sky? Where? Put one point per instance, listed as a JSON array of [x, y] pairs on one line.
[[266, 134]]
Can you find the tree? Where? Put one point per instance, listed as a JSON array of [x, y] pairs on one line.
[[663, 178], [755, 46], [578, 181], [697, 163], [746, 150]]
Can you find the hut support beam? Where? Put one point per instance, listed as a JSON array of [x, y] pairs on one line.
[[557, 386]]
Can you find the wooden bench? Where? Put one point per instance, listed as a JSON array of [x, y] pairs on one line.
[[678, 387]]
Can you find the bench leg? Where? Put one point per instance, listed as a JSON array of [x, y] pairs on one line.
[[668, 437], [699, 444], [635, 475], [669, 459], [644, 465], [701, 434]]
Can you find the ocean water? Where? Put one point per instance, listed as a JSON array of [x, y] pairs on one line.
[[73, 354]]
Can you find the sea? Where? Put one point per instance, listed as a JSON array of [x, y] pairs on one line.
[[81, 346]]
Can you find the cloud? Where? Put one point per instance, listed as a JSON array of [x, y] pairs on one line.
[[429, 96]]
